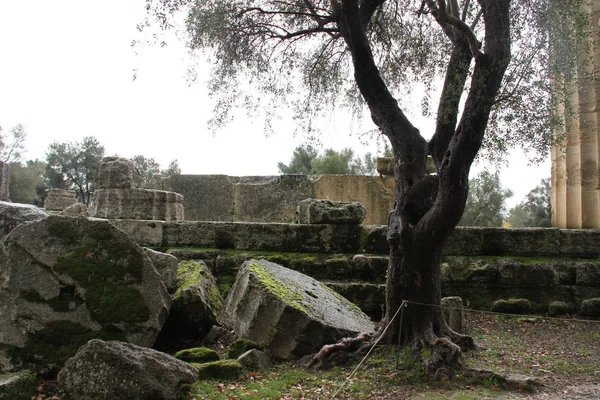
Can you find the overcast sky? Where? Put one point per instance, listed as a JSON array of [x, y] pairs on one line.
[[66, 69]]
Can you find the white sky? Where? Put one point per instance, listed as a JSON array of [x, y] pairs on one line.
[[66, 69]]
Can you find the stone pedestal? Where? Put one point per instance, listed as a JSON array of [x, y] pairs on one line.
[[4, 181], [59, 199], [118, 195]]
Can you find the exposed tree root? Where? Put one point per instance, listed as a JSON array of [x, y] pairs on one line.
[[338, 353], [509, 382]]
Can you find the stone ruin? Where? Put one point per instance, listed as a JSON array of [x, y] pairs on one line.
[[59, 199], [4, 181], [119, 195]]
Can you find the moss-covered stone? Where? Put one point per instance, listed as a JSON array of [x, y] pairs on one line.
[[107, 270], [46, 350], [67, 299], [275, 286], [18, 386], [558, 308], [590, 308], [192, 274], [239, 347], [225, 369], [198, 355], [512, 306]]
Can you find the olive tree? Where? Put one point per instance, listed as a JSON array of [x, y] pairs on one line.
[[491, 59]]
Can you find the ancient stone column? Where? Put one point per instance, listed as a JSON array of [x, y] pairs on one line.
[[575, 178]]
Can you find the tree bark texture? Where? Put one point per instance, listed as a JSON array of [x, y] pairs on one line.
[[427, 208]]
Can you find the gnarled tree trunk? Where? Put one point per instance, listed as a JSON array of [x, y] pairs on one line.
[[427, 208]]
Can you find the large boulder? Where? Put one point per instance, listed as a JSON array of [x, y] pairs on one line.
[[197, 303], [13, 214], [288, 313], [117, 370], [314, 211], [64, 281]]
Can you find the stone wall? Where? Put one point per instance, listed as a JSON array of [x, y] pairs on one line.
[[275, 198], [370, 239]]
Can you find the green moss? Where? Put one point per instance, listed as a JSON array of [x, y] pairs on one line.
[[194, 274], [239, 347], [276, 287], [225, 369], [45, 351], [62, 229], [224, 284], [107, 269], [66, 300], [22, 386], [197, 355]]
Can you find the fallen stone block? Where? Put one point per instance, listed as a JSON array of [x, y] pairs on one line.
[[312, 211], [117, 370], [289, 313]]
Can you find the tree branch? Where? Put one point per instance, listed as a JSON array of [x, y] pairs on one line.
[[441, 15]]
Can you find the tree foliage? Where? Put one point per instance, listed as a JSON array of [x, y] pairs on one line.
[[11, 150], [74, 165], [307, 161], [27, 183], [149, 168], [486, 204], [535, 210]]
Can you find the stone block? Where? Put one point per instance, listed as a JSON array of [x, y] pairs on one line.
[[453, 311], [59, 199], [143, 232], [4, 181], [375, 193], [579, 242], [135, 203], [590, 308], [313, 211], [117, 173], [270, 198], [588, 274], [289, 313], [206, 197]]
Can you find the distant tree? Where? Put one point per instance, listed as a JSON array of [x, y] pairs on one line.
[[486, 201], [301, 162], [27, 184], [172, 169], [307, 161], [149, 168], [535, 210], [12, 150], [74, 165]]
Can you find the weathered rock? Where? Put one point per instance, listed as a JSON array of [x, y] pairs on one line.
[[196, 306], [588, 275], [512, 306], [13, 214], [117, 173], [143, 232], [241, 346], [64, 281], [558, 308], [59, 199], [117, 370], [453, 310], [369, 268], [166, 265], [590, 308], [75, 210], [20, 385], [313, 211], [288, 313], [255, 360]]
